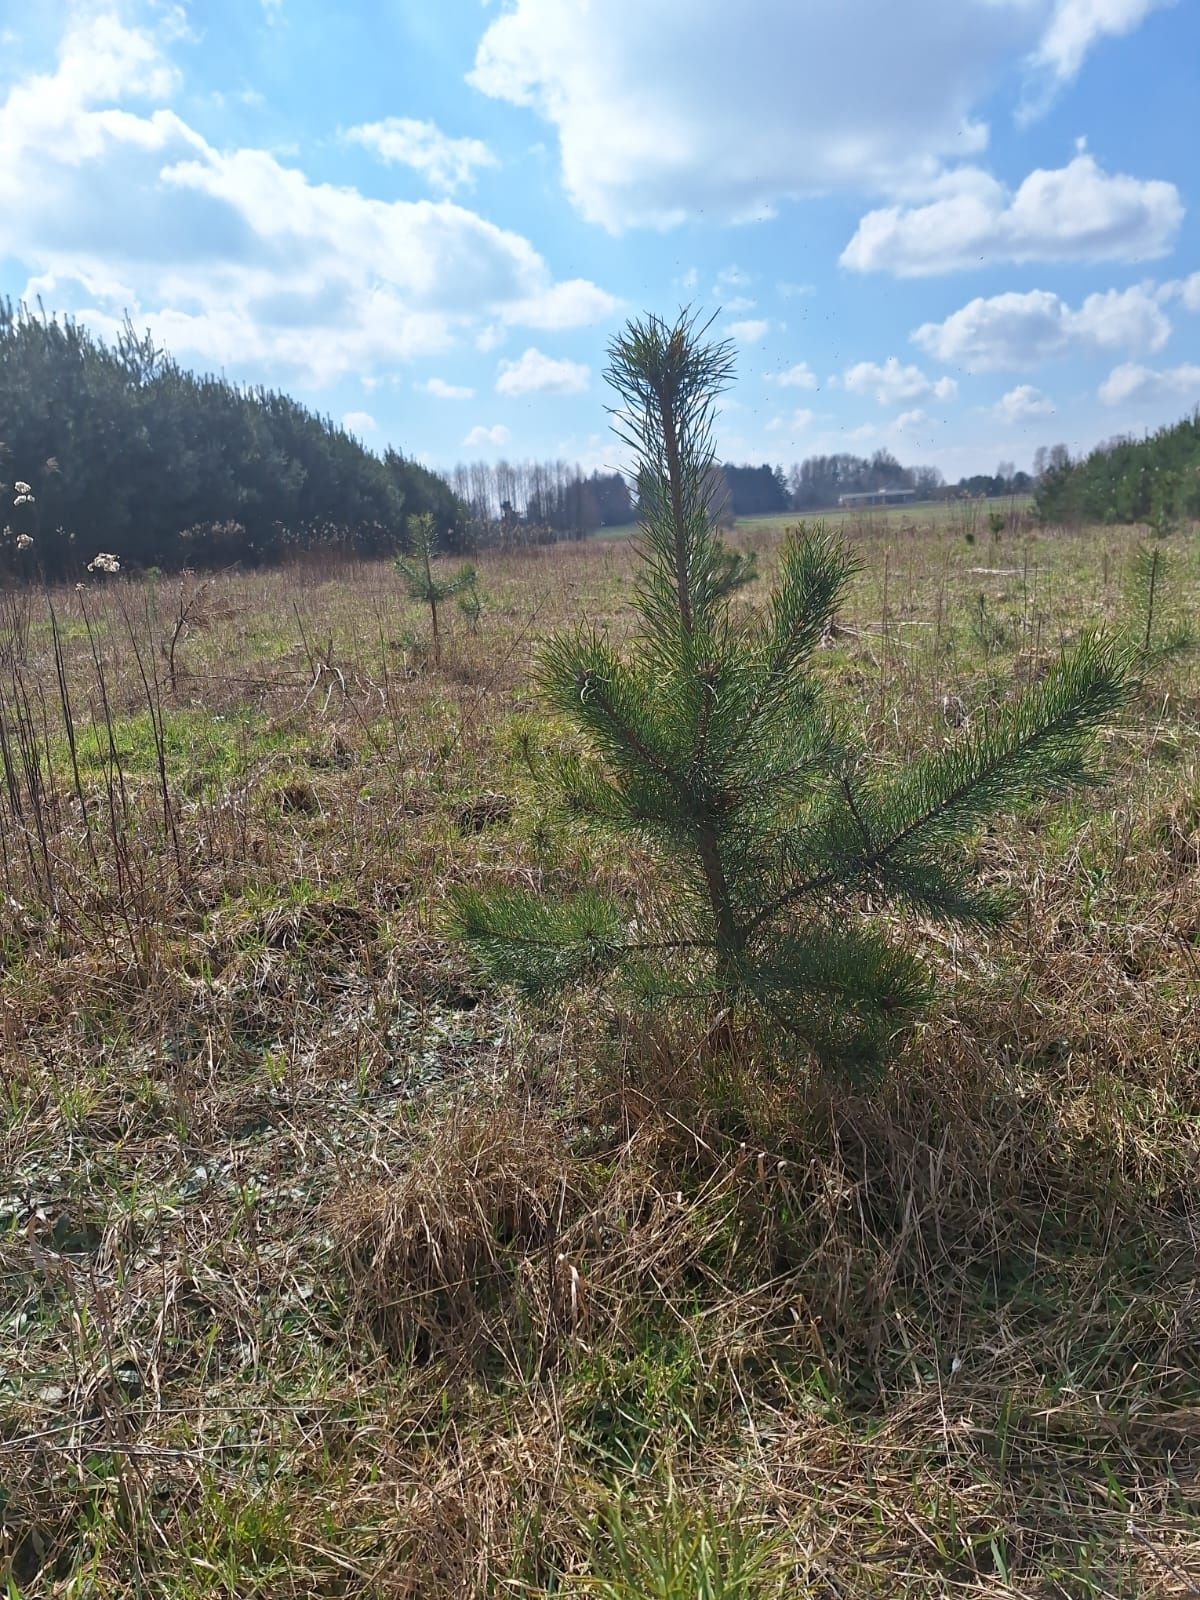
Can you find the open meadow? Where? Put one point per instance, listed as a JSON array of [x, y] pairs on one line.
[[328, 1272], [970, 517]]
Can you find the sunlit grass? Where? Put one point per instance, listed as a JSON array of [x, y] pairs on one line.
[[327, 1273]]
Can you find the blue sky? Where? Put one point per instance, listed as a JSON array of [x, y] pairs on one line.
[[954, 230]]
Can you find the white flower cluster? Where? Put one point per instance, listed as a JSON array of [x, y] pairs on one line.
[[104, 563], [24, 541], [24, 494]]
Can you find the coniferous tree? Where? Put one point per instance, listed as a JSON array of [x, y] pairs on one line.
[[128, 452], [710, 741], [1154, 480], [420, 580]]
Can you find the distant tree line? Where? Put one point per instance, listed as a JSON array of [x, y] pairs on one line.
[[537, 501], [1154, 480], [756, 491], [531, 501], [820, 481], [125, 452], [991, 484]]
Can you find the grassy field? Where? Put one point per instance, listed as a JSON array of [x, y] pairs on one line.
[[326, 1273], [970, 519], [964, 517]]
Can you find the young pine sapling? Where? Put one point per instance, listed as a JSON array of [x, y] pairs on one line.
[[420, 580], [1154, 603], [708, 740], [471, 599]]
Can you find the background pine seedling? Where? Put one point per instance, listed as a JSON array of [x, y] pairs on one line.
[[1159, 628], [420, 579], [470, 599], [781, 842], [738, 568]]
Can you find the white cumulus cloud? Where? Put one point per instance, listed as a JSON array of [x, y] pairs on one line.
[[1185, 290], [801, 376], [1076, 25], [670, 109], [480, 436], [666, 110], [1131, 382], [535, 373], [1017, 330], [575, 303], [446, 164], [1073, 213], [113, 203], [1022, 404], [730, 279], [893, 382], [359, 422], [749, 332], [1072, 31], [441, 390], [796, 422], [1121, 319]]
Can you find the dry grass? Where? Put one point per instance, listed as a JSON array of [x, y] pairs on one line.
[[325, 1274]]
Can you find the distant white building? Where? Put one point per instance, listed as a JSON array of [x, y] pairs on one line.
[[878, 497]]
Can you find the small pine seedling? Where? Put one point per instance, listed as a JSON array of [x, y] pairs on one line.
[[470, 598], [1161, 632], [737, 568], [419, 580], [708, 740]]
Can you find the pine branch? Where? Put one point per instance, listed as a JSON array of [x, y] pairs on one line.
[[586, 680], [846, 991], [814, 572], [542, 946], [1038, 744], [735, 569], [538, 945]]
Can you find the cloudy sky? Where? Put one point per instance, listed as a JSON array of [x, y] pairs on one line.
[[955, 228]]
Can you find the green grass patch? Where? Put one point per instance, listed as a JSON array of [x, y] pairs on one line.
[[199, 750]]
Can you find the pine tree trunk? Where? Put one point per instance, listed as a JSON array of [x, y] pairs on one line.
[[432, 593], [675, 482], [729, 938]]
